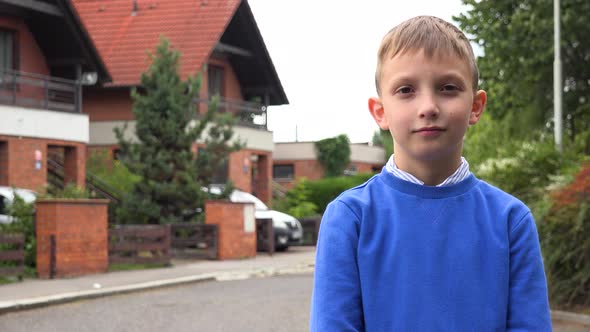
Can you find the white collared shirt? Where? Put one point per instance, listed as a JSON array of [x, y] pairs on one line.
[[460, 174]]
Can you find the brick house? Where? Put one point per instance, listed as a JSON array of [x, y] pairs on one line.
[[295, 160], [222, 35], [45, 57]]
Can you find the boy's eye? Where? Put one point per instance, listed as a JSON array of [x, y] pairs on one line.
[[405, 90], [449, 88]]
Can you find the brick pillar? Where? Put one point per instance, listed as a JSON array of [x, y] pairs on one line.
[[80, 231], [75, 165], [3, 163], [264, 178], [236, 228], [240, 170]]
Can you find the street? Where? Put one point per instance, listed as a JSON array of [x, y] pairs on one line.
[[260, 304], [277, 304]]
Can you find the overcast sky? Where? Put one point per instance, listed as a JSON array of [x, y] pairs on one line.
[[324, 52]]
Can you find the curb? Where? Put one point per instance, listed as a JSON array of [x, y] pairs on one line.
[[571, 317], [36, 302]]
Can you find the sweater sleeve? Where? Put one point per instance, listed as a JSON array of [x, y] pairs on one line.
[[528, 307], [336, 300]]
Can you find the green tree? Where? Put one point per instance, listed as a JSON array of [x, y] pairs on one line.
[[333, 154], [383, 138], [170, 181], [517, 66]]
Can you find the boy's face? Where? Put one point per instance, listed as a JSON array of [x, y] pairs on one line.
[[427, 105]]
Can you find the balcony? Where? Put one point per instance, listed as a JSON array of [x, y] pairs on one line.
[[39, 91], [249, 114]]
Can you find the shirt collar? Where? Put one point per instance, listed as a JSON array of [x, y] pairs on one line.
[[459, 175]]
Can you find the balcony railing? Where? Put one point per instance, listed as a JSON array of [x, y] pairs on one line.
[[249, 114], [39, 91]]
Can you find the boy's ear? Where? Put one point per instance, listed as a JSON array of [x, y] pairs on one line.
[[479, 104], [378, 113]]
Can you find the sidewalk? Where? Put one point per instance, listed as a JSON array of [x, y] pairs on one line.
[[32, 293]]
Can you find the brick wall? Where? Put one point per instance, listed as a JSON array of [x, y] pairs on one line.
[[31, 58], [108, 104], [80, 230], [3, 163], [19, 161], [240, 170], [233, 242]]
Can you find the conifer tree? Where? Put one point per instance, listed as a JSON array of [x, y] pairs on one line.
[[164, 108]]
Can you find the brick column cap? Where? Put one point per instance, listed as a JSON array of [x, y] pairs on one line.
[[72, 200]]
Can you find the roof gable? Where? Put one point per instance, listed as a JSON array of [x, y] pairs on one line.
[[123, 32]]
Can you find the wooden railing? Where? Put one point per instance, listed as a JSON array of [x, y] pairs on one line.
[[311, 228], [12, 255], [265, 235], [190, 240], [139, 244], [39, 91]]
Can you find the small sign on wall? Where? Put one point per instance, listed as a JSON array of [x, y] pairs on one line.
[[38, 158], [249, 218]]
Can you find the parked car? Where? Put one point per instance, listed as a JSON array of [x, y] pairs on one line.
[[7, 198], [287, 229]]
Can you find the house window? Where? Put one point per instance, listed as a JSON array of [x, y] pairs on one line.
[[215, 75], [283, 172], [8, 58]]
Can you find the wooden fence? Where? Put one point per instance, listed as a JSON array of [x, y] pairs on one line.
[[139, 244], [265, 235], [12, 255], [189, 240], [311, 228]]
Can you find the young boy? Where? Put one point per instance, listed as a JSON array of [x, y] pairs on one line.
[[425, 245]]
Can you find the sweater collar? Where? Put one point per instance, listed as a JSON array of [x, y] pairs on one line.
[[427, 191]]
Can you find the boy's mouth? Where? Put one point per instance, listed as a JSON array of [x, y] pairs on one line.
[[429, 129]]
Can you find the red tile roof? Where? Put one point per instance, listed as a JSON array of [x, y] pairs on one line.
[[122, 39]]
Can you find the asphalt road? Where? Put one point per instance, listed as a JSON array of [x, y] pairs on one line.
[[277, 304]]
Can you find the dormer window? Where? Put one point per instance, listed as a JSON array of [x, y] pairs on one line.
[[8, 58], [216, 82]]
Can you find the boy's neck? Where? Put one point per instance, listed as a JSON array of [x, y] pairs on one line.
[[431, 172]]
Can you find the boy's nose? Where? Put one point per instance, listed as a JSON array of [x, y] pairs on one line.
[[428, 107]]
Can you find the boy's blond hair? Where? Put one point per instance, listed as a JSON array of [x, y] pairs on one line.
[[428, 33]]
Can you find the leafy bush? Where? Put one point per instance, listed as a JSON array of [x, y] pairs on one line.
[[525, 169], [565, 239], [23, 223], [333, 154], [71, 190], [318, 193], [113, 173], [297, 202]]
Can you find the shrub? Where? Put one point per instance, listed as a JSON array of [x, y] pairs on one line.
[[322, 192], [296, 201], [527, 169], [565, 239], [113, 173], [23, 222], [71, 190]]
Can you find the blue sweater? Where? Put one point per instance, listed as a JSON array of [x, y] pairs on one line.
[[396, 256]]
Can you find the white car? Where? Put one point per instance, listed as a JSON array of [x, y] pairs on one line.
[[288, 230], [7, 198]]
